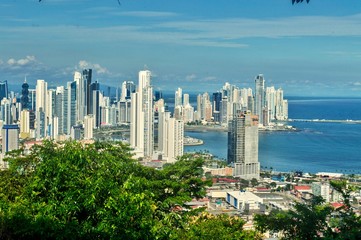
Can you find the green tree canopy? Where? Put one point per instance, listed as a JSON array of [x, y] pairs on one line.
[[315, 220], [95, 191]]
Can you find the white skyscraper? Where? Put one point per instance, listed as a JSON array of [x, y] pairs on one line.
[[170, 135], [80, 96], [178, 97], [41, 93], [88, 127], [142, 117]]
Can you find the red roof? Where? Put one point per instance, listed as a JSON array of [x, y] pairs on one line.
[[336, 205], [302, 188]]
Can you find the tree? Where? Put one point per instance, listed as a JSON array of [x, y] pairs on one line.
[[315, 220], [254, 182], [96, 191], [307, 221], [208, 226], [344, 219], [93, 191]]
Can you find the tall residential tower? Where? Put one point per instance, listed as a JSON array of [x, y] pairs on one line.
[[142, 117], [243, 145]]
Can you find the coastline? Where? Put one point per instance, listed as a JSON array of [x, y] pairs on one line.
[[218, 128]]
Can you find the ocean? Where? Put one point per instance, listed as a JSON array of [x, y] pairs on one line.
[[316, 147]]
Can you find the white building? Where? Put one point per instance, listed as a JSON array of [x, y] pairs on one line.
[[321, 189], [170, 135], [88, 127], [81, 92], [41, 93], [244, 201], [142, 117]]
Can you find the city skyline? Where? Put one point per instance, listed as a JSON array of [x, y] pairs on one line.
[[309, 49]]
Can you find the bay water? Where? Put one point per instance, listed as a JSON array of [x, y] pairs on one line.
[[316, 147]]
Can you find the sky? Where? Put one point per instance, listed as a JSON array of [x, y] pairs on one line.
[[306, 49]]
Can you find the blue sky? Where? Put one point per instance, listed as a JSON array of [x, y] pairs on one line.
[[307, 49]]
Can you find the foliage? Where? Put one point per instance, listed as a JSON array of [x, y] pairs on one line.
[[307, 221], [254, 182], [315, 220], [208, 226], [344, 219], [96, 191]]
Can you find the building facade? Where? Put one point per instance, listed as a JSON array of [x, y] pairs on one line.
[[243, 145]]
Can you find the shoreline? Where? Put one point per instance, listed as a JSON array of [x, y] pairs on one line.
[[217, 128]]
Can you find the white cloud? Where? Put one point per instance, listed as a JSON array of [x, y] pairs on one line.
[[97, 67], [21, 62], [191, 77]]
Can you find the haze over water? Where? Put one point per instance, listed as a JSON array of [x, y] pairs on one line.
[[332, 147]]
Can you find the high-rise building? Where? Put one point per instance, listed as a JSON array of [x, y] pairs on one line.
[[243, 145], [188, 110], [5, 111], [81, 92], [259, 98], [40, 124], [87, 77], [32, 99], [128, 87], [178, 97], [3, 90], [142, 117], [93, 104], [96, 111], [124, 111], [71, 106], [25, 124], [41, 92], [25, 95], [170, 135], [10, 136], [217, 99], [88, 127]]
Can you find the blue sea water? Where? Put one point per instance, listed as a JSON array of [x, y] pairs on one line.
[[318, 146]]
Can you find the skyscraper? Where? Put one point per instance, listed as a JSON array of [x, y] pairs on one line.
[[93, 87], [259, 98], [41, 92], [81, 92], [87, 77], [3, 90], [25, 123], [171, 134], [243, 145], [88, 127], [217, 99], [128, 87], [142, 117], [25, 95], [10, 135], [178, 97]]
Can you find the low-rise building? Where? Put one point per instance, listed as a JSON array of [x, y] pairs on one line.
[[244, 201]]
